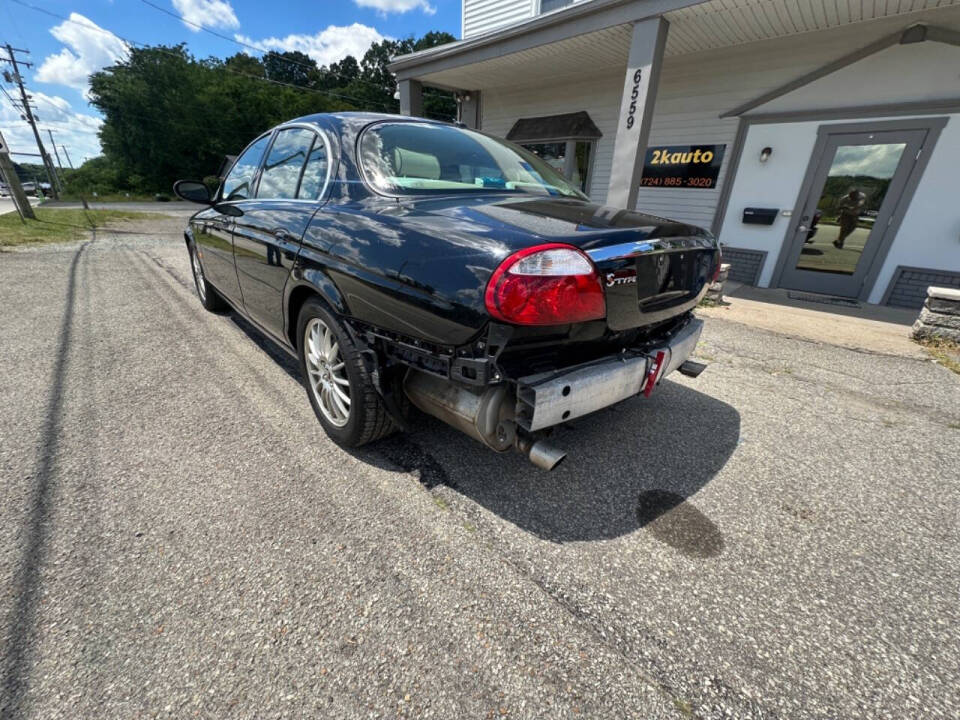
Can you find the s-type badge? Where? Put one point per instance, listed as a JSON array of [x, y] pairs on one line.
[[624, 277]]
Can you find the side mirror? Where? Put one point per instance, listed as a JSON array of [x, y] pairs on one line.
[[192, 191]]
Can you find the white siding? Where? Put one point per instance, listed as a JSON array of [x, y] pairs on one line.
[[695, 89], [482, 16], [927, 237], [599, 96]]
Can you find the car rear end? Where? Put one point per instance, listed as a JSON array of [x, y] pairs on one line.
[[577, 326]]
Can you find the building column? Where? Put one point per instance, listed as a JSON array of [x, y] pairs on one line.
[[469, 101], [411, 97], [636, 111]]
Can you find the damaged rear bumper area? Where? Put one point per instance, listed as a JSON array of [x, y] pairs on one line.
[[549, 399], [519, 413]]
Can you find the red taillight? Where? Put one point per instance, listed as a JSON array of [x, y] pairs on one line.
[[552, 284], [716, 270]]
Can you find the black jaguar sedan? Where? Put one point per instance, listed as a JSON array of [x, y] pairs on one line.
[[405, 261]]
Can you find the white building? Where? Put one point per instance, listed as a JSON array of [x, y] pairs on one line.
[[820, 139]]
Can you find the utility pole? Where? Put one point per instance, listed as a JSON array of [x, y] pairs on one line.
[[64, 148], [10, 177], [57, 155], [28, 115]]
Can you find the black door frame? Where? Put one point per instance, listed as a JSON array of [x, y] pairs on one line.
[[932, 126]]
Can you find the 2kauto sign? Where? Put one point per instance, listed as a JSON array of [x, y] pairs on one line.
[[683, 166]]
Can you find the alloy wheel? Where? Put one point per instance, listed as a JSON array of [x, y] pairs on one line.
[[328, 372], [198, 276]]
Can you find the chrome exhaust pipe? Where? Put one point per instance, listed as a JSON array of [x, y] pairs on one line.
[[486, 415], [545, 456], [541, 453]]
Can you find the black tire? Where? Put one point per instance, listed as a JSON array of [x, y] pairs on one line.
[[368, 418], [209, 297]]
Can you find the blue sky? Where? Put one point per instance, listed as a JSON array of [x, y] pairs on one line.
[[69, 39]]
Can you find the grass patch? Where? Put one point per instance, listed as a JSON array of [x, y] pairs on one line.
[[945, 352], [58, 225]]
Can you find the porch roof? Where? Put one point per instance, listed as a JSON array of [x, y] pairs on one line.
[[573, 42]]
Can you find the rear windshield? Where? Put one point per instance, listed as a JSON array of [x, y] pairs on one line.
[[410, 158]]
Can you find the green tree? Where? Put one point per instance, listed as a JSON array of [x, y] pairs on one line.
[[168, 115], [294, 67]]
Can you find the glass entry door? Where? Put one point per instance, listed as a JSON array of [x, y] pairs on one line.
[[857, 183]]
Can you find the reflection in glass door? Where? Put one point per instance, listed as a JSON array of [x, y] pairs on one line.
[[849, 204], [855, 187]]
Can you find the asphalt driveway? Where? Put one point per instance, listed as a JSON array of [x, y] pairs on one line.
[[775, 539]]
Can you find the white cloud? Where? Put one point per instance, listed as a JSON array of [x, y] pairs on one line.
[[75, 130], [207, 13], [327, 46], [879, 161], [397, 6], [89, 48]]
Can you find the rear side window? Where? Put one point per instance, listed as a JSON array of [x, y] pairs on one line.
[[315, 174], [238, 184], [285, 162]]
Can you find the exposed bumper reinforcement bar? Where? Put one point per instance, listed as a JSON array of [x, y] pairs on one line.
[[548, 399]]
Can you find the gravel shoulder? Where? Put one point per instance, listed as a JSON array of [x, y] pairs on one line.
[[776, 539]]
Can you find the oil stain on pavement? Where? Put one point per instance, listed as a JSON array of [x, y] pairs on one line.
[[672, 520]]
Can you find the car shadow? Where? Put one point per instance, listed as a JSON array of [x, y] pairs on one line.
[[629, 467]]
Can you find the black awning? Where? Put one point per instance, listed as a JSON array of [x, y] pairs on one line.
[[571, 126]]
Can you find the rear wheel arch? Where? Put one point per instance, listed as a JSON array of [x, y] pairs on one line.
[[324, 290]]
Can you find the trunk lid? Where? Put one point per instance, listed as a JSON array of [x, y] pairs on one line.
[[652, 268]]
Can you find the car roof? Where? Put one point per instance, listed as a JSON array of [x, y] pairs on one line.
[[355, 120]]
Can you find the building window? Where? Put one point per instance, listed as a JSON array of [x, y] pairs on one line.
[[566, 142], [571, 158], [550, 5]]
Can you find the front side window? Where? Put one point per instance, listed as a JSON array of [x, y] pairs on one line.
[[411, 158], [284, 165], [238, 185]]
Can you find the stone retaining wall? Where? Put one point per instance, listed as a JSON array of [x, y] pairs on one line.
[[715, 291], [940, 316]]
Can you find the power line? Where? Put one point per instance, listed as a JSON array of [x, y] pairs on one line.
[[249, 46], [173, 54]]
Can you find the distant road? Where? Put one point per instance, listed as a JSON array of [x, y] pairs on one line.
[[168, 208], [6, 204]]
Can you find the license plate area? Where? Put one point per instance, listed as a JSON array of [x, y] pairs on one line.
[[670, 278]]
